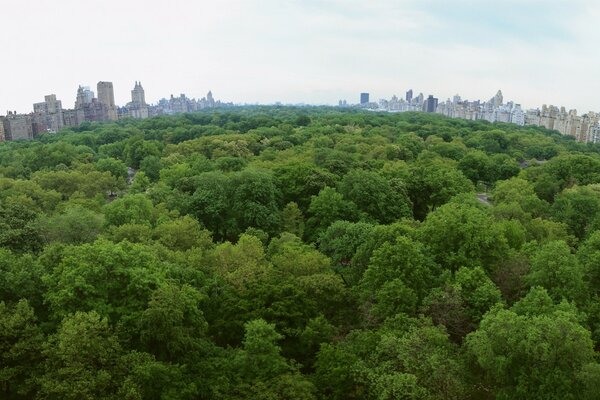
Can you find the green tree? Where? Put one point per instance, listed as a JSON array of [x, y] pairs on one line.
[[20, 345], [555, 268], [463, 235], [374, 196], [325, 209], [531, 352]]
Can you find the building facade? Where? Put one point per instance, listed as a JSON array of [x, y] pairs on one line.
[[106, 97], [17, 126]]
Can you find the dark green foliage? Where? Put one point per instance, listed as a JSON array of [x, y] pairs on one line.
[[310, 253]]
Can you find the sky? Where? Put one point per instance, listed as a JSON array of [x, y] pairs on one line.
[[302, 51]]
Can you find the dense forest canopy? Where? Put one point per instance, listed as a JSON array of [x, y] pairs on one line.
[[300, 253]]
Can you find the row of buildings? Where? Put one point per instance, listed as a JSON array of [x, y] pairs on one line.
[[395, 104], [49, 116], [584, 128]]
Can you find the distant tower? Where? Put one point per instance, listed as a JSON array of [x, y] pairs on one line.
[[409, 95], [84, 96], [431, 104], [209, 99], [106, 96], [498, 99], [138, 96], [364, 98]]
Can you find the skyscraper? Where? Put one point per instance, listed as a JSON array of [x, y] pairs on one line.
[[431, 104], [138, 95], [84, 96], [409, 95], [138, 107], [106, 96], [364, 98]]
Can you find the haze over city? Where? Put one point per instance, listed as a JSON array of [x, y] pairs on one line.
[[309, 51]]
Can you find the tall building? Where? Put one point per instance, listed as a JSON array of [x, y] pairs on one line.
[[84, 96], [497, 100], [17, 126], [138, 96], [48, 116], [431, 104], [364, 98], [409, 95], [138, 107], [210, 101], [106, 96]]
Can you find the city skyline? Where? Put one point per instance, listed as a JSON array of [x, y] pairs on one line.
[[309, 51]]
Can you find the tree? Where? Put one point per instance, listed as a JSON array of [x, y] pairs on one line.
[[398, 272], [20, 345], [117, 168], [555, 268], [463, 235], [173, 326], [531, 352], [254, 201], [115, 280], [82, 360], [75, 225], [326, 208], [433, 183], [292, 219], [578, 207], [134, 208], [375, 196], [182, 234], [18, 228], [210, 203]]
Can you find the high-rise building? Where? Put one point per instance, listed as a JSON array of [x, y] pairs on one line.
[[106, 96], [409, 95], [138, 107], [497, 100], [138, 96], [364, 98], [48, 116], [431, 104], [84, 96], [210, 100], [17, 126]]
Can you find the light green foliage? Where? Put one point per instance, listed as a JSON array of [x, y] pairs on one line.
[[554, 267], [463, 235], [132, 209], [86, 181], [117, 168], [182, 234], [538, 354], [115, 280]]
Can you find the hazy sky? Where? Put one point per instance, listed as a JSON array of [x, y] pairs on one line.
[[308, 51]]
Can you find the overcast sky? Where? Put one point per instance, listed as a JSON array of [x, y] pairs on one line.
[[309, 51]]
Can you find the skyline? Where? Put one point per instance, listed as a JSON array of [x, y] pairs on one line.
[[313, 52]]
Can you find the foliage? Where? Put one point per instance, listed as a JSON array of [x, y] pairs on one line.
[[299, 253]]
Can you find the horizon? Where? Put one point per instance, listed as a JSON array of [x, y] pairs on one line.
[[311, 52]]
